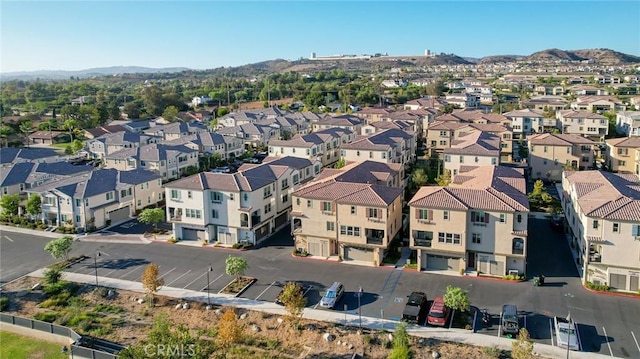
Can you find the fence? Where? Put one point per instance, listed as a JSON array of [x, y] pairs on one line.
[[76, 351]]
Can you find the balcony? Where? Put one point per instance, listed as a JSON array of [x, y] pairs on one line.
[[479, 224], [374, 236], [375, 220], [244, 224], [517, 246], [175, 214], [328, 213], [426, 221], [378, 241], [422, 242], [255, 220]]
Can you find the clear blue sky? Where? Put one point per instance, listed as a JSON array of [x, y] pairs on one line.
[[72, 35]]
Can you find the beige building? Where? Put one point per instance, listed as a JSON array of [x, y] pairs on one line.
[[621, 154], [388, 146], [477, 223], [602, 210], [598, 104], [440, 134], [345, 122], [169, 161], [583, 123], [550, 154], [353, 220], [323, 145], [473, 148]]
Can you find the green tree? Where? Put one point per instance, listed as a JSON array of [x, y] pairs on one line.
[[151, 282], [222, 111], [340, 163], [9, 203], [132, 110], [523, 151], [152, 216], [236, 266], [400, 349], [170, 113], [456, 298], [59, 247], [114, 111], [68, 150], [25, 129], [444, 179], [293, 300], [52, 274], [34, 205], [419, 178], [77, 145], [70, 125], [522, 348], [5, 132]]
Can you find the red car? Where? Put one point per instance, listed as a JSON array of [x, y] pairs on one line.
[[439, 313]]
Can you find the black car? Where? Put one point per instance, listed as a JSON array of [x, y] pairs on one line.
[[416, 307], [557, 222]]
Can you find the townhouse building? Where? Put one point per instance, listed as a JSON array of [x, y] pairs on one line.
[[345, 122], [551, 154], [373, 114], [628, 123], [175, 130], [525, 122], [350, 213], [428, 102], [390, 146], [16, 178], [603, 218], [621, 154], [254, 135], [541, 103], [477, 223], [378, 126], [440, 134], [168, 161], [323, 145], [10, 155], [463, 100], [472, 148], [583, 123], [101, 146], [598, 104], [98, 198], [243, 207]]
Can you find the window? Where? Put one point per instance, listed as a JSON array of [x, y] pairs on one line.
[[174, 194], [353, 210], [245, 196], [298, 201], [568, 149], [189, 194], [545, 149], [374, 213], [77, 218], [78, 202], [326, 206], [309, 204], [476, 238], [479, 217], [216, 197], [370, 154], [445, 215], [616, 227], [494, 160], [267, 192], [424, 214], [296, 179], [477, 159], [635, 230], [384, 155], [447, 158], [109, 196], [331, 226], [193, 213], [214, 213], [461, 159], [595, 224], [503, 218], [285, 183], [285, 198], [350, 231], [621, 163], [450, 238], [519, 218], [232, 196], [267, 208], [139, 203]]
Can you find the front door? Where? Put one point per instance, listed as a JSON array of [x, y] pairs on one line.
[[471, 260]]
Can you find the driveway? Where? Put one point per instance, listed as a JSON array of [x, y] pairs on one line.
[[133, 226]]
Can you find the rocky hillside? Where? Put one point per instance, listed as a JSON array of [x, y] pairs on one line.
[[600, 56]]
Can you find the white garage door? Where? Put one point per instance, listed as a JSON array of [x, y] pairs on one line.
[[358, 254], [442, 263], [618, 281], [320, 248], [119, 215], [496, 268], [192, 234]]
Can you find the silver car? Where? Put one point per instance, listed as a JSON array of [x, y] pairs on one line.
[[332, 296]]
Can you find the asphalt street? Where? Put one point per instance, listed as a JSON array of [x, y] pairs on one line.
[[607, 324]]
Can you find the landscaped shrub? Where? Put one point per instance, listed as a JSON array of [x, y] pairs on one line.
[[237, 245], [598, 287], [52, 275], [48, 317], [4, 303]]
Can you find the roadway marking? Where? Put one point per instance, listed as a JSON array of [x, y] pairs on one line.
[[118, 267], [162, 276], [306, 291], [525, 321], [131, 271], [10, 240], [551, 331], [475, 317], [193, 281], [453, 313], [500, 326], [316, 306], [607, 338], [183, 274], [635, 340], [266, 289], [209, 284]]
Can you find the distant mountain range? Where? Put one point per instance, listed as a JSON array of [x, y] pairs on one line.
[[599, 56], [98, 71]]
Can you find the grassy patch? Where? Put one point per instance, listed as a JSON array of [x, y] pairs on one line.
[[17, 346]]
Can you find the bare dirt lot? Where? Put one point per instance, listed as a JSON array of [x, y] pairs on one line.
[[124, 320]]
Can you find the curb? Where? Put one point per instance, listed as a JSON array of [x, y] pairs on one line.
[[613, 294], [496, 279], [314, 259], [33, 232]]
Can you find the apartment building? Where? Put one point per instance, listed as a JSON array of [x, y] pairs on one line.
[[472, 148], [541, 103], [243, 207], [373, 114], [176, 130], [389, 146], [583, 123], [169, 161], [343, 215], [525, 122], [9, 155], [345, 122], [440, 134], [98, 198], [323, 145], [387, 124], [101, 146], [628, 123], [602, 210], [550, 154], [16, 178], [621, 154], [598, 104], [477, 223], [254, 135]]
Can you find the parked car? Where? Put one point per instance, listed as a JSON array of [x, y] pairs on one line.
[[509, 321], [439, 313], [224, 169], [332, 296], [416, 307], [557, 222], [566, 333]]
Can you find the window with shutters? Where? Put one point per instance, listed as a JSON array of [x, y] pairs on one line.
[[374, 214], [326, 208], [635, 231], [479, 218], [331, 226], [424, 215]]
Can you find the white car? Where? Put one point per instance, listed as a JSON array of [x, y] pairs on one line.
[[567, 333]]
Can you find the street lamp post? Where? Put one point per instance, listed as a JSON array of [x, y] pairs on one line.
[[359, 306], [210, 269], [569, 333], [95, 266]]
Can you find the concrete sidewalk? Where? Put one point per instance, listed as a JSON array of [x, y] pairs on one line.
[[33, 232], [450, 335]]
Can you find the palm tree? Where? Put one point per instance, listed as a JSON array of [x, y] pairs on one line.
[[25, 128], [5, 132], [70, 125]]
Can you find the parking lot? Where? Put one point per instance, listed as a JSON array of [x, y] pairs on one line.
[[613, 331]]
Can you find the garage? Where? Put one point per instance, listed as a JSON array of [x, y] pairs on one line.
[[320, 248], [633, 283], [281, 219], [262, 232], [119, 214], [358, 254], [193, 234], [443, 263], [618, 281], [496, 268]]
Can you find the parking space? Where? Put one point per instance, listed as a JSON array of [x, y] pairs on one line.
[[134, 227]]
